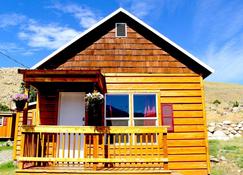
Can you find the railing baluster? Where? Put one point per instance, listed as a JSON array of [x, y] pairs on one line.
[[32, 145], [108, 144], [69, 146], [119, 144], [114, 145], [48, 145], [58, 146], [53, 143], [63, 144], [141, 144], [42, 146], [74, 144], [79, 145]]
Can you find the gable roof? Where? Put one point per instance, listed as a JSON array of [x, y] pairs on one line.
[[205, 70]]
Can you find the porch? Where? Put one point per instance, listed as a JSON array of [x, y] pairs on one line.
[[93, 150]]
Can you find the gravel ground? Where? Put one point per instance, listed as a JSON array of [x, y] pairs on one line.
[[6, 156]]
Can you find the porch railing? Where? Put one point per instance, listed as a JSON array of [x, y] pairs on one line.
[[93, 147]]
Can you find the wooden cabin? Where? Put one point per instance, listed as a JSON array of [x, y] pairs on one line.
[[152, 120], [7, 125]]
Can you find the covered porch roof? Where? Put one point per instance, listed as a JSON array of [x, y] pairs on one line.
[[33, 77]]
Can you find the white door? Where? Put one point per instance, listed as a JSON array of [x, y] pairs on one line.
[[71, 113]]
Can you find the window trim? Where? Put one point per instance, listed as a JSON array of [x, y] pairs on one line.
[[1, 118], [125, 30]]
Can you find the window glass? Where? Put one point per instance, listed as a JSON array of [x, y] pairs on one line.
[[144, 105], [116, 122], [120, 29], [117, 106], [149, 122]]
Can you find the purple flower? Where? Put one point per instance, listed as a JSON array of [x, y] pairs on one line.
[[20, 97]]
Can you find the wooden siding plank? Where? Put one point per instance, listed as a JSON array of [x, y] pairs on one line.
[[187, 106], [153, 86], [184, 143], [188, 121], [184, 114], [186, 150], [186, 165], [181, 100], [151, 79], [181, 136], [180, 93], [186, 158], [188, 128]]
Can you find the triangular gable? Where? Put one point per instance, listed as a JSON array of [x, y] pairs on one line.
[[186, 57]]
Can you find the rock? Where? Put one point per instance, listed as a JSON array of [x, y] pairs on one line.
[[212, 124], [233, 132], [231, 136], [237, 128], [235, 109], [9, 143], [220, 135], [214, 159], [227, 132], [237, 135], [226, 122], [210, 134], [211, 129], [222, 158]]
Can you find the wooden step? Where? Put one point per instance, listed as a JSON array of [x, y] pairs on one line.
[[84, 171]]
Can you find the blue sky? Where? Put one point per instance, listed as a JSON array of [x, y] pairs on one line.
[[212, 30]]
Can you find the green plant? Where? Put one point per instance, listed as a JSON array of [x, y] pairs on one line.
[[216, 102], [32, 94], [8, 166], [4, 107], [214, 147]]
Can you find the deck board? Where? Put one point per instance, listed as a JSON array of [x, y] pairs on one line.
[[80, 169]]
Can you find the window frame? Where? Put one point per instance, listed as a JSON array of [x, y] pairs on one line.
[[1, 119], [131, 117], [116, 24]]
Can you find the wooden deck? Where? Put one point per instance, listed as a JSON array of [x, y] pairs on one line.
[[107, 150], [57, 170]]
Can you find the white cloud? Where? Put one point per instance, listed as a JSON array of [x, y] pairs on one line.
[[227, 61], [11, 19], [13, 48], [220, 26], [85, 15], [50, 36]]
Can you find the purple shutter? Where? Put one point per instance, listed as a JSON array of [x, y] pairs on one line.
[[167, 116]]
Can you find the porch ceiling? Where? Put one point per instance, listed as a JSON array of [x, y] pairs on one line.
[[64, 76]]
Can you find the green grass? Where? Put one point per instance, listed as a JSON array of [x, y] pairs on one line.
[[5, 147], [8, 166], [232, 150]]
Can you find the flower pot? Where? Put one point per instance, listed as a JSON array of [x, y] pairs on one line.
[[20, 105]]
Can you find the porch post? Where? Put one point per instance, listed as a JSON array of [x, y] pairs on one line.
[[25, 111]]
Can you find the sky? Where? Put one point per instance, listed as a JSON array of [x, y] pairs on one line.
[[211, 30]]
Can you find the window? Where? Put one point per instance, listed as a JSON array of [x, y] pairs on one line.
[[143, 111], [167, 116], [1, 121], [121, 30], [117, 110]]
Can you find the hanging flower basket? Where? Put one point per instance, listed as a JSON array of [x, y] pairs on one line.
[[20, 101], [93, 104]]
